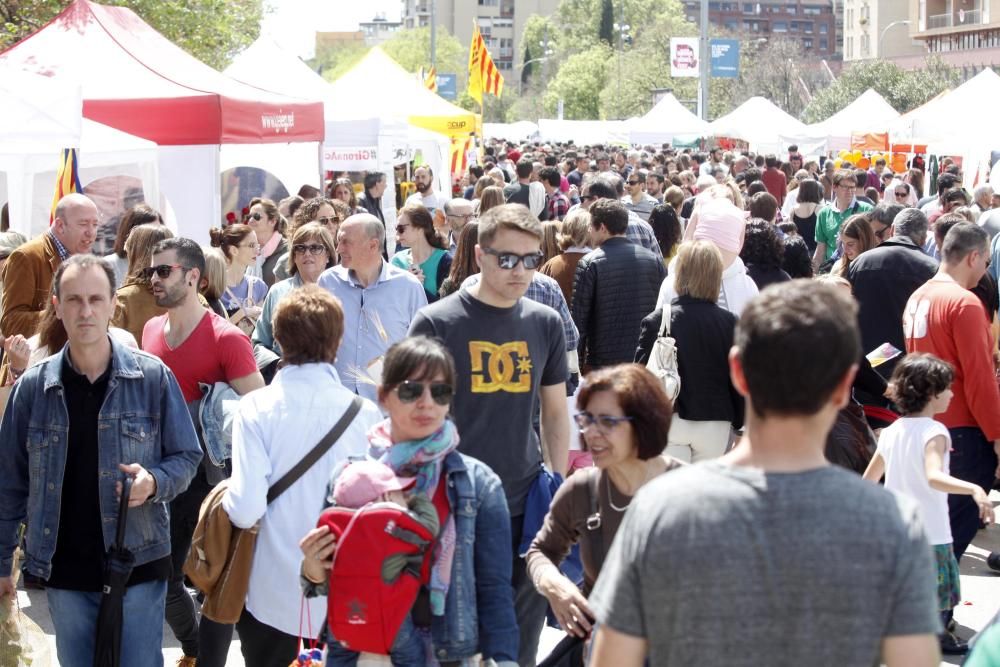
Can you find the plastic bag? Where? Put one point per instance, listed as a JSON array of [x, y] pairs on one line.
[[22, 642]]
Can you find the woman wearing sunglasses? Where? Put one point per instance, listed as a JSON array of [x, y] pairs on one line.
[[269, 226], [425, 255], [329, 213], [312, 253], [244, 293], [468, 607], [624, 420]]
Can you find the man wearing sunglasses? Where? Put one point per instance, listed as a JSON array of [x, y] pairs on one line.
[[510, 354], [200, 347], [616, 286], [637, 201]]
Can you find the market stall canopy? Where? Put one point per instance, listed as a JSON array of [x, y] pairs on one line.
[[519, 131], [584, 132], [869, 113], [669, 118], [136, 80], [956, 122], [760, 123], [378, 87]]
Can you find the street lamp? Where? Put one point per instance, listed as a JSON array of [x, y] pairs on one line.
[[540, 59], [886, 29], [622, 29]]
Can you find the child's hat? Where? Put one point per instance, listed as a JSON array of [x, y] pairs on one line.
[[362, 482]]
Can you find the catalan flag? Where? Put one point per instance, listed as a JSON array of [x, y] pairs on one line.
[[431, 80], [484, 77], [460, 147], [67, 179]]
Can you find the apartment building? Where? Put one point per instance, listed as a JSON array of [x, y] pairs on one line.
[[501, 23], [879, 29], [964, 33], [379, 29], [813, 22]]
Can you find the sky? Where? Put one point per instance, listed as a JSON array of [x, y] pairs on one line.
[[292, 22]]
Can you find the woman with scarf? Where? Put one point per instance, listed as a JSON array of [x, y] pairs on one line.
[[270, 226], [468, 607]]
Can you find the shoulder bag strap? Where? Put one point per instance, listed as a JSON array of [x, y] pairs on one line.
[[596, 528], [123, 513], [316, 453], [665, 321]]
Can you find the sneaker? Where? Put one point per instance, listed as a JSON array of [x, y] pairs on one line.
[[993, 560], [952, 645], [186, 661]]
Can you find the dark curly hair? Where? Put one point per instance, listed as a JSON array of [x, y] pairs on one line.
[[761, 246], [917, 379], [797, 261], [666, 226]]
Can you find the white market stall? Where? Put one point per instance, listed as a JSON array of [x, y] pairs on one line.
[[760, 123], [668, 119], [584, 132], [38, 119], [522, 130]]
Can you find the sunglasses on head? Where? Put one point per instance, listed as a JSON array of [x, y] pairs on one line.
[[312, 249], [161, 270], [409, 391], [509, 260]]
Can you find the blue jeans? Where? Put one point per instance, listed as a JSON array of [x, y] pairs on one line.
[[407, 649], [74, 615], [972, 460]]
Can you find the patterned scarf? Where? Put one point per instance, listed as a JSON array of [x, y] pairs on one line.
[[423, 459]]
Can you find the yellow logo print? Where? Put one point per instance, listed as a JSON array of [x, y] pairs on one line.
[[494, 367]]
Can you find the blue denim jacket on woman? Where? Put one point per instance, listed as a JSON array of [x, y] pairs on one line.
[[143, 420], [479, 608]]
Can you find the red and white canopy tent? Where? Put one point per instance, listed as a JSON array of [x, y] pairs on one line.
[[136, 80]]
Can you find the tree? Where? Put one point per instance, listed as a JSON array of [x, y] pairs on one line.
[[411, 48], [579, 83], [335, 60], [775, 71], [903, 89], [606, 29], [213, 31]]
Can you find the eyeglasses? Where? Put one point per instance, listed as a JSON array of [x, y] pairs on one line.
[[401, 228], [256, 216], [509, 260], [880, 234], [847, 186], [409, 391], [328, 219], [312, 249], [604, 422], [161, 270]]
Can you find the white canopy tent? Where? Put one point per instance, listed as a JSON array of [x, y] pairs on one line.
[[584, 132], [760, 123], [520, 131], [668, 119], [869, 113], [38, 119]]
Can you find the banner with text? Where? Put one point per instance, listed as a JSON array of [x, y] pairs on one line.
[[350, 158], [725, 58], [684, 57]]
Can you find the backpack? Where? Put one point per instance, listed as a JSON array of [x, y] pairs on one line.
[[364, 611], [663, 358]]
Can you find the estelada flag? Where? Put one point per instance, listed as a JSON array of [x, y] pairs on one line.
[[67, 179], [484, 77]]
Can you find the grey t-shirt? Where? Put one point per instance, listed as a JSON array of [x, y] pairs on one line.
[[725, 565], [502, 357]]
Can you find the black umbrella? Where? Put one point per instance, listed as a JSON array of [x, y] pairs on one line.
[[117, 568]]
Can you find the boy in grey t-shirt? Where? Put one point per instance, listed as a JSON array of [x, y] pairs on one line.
[[770, 555]]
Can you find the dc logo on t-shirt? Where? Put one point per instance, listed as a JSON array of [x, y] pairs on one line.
[[505, 367]]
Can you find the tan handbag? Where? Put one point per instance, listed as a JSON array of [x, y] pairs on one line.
[[221, 555]]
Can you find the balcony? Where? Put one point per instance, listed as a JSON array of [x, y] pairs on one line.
[[938, 21], [939, 14]]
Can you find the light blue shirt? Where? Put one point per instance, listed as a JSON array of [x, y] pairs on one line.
[[375, 317]]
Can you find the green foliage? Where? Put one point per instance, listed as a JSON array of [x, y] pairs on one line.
[[775, 71], [903, 89], [211, 30], [578, 83], [412, 49], [606, 28], [334, 61]]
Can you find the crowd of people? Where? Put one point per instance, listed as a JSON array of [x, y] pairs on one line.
[[495, 379]]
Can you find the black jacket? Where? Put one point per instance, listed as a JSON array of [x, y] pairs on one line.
[[883, 280], [704, 333], [614, 288]]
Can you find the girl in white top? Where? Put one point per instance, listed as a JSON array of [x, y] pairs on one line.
[[913, 453]]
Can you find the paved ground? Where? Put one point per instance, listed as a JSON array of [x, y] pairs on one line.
[[980, 602]]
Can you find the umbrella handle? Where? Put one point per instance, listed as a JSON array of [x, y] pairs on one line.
[[123, 513]]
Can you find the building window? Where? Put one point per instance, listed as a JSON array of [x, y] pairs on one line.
[[823, 28], [807, 27], [807, 43], [824, 44], [865, 45], [789, 8], [732, 25], [489, 3], [779, 26]]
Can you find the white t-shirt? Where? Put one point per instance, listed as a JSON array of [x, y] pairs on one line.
[[432, 201], [902, 447]]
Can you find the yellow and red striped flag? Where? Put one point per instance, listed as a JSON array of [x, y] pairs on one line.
[[484, 77], [460, 147], [431, 80], [67, 179]]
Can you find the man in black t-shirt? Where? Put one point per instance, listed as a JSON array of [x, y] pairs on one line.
[[512, 353]]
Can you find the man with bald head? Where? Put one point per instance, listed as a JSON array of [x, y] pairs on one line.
[[379, 302]]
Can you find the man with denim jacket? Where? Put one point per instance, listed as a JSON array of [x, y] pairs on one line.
[[76, 425]]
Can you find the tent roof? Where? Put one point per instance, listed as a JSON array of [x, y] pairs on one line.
[[974, 103], [668, 111], [135, 79], [869, 112], [38, 113], [266, 65], [756, 121], [379, 86]]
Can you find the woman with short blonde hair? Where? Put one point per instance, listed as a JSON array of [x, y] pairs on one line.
[[699, 270]]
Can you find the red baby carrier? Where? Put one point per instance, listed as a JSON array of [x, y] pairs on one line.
[[364, 611]]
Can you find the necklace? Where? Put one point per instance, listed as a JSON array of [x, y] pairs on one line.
[[607, 481]]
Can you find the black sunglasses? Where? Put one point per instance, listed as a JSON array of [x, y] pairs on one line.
[[633, 182], [328, 219], [161, 270], [409, 391], [312, 249], [256, 216], [509, 260]]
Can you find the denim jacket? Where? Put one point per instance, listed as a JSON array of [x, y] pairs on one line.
[[479, 608], [143, 420]]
